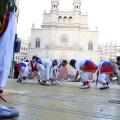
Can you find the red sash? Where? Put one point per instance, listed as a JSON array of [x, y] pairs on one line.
[[90, 67], [107, 69], [33, 67], [19, 67], [4, 20]]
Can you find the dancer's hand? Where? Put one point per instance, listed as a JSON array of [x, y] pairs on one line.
[[1, 91], [96, 81]]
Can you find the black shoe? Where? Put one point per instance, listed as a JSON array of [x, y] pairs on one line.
[[19, 80], [103, 87]]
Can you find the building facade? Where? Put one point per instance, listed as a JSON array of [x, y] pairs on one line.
[[23, 50], [110, 50], [16, 14], [16, 22], [24, 41], [64, 35]]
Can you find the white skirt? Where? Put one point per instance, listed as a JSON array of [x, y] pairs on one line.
[[6, 50]]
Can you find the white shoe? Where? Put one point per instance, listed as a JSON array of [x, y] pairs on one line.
[[35, 79], [54, 83], [104, 87], [84, 86], [91, 81], [48, 83], [23, 82]]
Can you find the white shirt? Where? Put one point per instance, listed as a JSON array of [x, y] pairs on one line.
[[58, 65], [28, 64], [116, 69], [79, 64], [46, 62], [100, 65]]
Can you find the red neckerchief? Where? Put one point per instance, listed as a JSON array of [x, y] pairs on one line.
[[33, 67], [1, 98]]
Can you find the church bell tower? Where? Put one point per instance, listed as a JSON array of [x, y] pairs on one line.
[[76, 5], [54, 6], [54, 11]]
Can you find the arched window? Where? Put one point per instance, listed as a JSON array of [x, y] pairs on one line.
[[90, 45], [37, 45], [60, 19], [65, 19], [70, 20]]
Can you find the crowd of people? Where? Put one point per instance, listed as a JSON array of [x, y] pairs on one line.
[[47, 71], [44, 70]]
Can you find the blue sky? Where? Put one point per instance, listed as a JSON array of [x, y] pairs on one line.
[[101, 13]]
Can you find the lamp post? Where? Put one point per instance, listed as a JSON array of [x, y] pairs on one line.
[[16, 49]]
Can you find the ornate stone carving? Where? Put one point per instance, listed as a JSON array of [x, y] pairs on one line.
[[60, 47], [64, 39]]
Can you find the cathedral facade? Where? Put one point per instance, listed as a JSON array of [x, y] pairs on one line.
[[64, 35]]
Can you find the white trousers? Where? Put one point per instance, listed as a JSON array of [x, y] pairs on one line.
[[48, 70], [24, 71], [118, 74], [57, 73], [6, 50], [41, 69], [84, 76], [103, 78]]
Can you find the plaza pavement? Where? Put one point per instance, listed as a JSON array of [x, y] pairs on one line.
[[62, 102]]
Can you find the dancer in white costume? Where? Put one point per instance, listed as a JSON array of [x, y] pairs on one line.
[[104, 70], [24, 69], [84, 68], [117, 69], [57, 65], [19, 76], [34, 73], [6, 54], [44, 67], [56, 69]]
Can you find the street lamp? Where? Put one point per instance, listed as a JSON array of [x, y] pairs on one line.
[[16, 49]]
